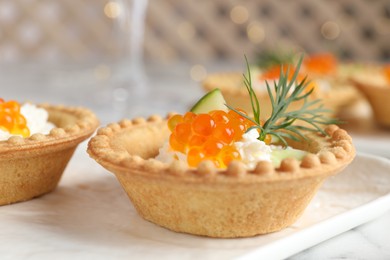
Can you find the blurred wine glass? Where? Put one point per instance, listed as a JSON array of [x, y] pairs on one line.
[[131, 88], [86, 53]]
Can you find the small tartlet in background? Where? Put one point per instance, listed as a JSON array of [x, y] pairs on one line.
[[374, 83], [33, 166], [338, 96]]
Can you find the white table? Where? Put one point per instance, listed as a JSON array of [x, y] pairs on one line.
[[172, 89]]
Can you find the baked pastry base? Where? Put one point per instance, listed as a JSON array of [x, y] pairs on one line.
[[210, 202], [376, 89], [31, 167]]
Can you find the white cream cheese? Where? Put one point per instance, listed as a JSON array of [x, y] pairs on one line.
[[36, 118], [250, 148], [4, 135], [167, 155]]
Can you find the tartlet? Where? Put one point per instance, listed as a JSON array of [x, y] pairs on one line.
[[206, 201], [30, 167], [375, 86], [231, 84]]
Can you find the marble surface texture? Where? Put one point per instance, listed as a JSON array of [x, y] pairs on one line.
[[169, 89]]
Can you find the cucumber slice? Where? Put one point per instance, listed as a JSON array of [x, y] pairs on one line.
[[213, 100], [279, 154]]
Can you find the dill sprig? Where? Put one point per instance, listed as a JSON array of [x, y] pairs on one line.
[[282, 123], [268, 59]]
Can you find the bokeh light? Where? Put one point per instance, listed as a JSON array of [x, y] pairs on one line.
[[239, 14], [198, 73], [330, 30], [112, 10], [256, 32]]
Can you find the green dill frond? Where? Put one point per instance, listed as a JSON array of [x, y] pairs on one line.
[[284, 123]]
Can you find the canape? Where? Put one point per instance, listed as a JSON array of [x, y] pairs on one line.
[[374, 83], [328, 77], [218, 171], [32, 165]]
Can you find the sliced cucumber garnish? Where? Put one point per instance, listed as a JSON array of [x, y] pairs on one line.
[[279, 154], [213, 100]]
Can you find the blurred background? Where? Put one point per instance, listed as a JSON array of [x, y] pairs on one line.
[[104, 53], [200, 31]]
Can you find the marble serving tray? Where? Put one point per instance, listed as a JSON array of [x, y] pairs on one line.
[[89, 216]]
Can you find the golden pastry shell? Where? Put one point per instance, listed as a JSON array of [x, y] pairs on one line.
[[376, 89], [30, 167], [210, 202]]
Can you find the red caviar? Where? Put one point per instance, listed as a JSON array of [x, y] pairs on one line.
[[386, 71], [322, 63], [208, 136], [274, 73], [11, 120]]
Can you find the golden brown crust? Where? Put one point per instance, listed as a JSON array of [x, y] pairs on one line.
[[72, 123], [104, 147], [30, 167], [206, 201], [376, 89]]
